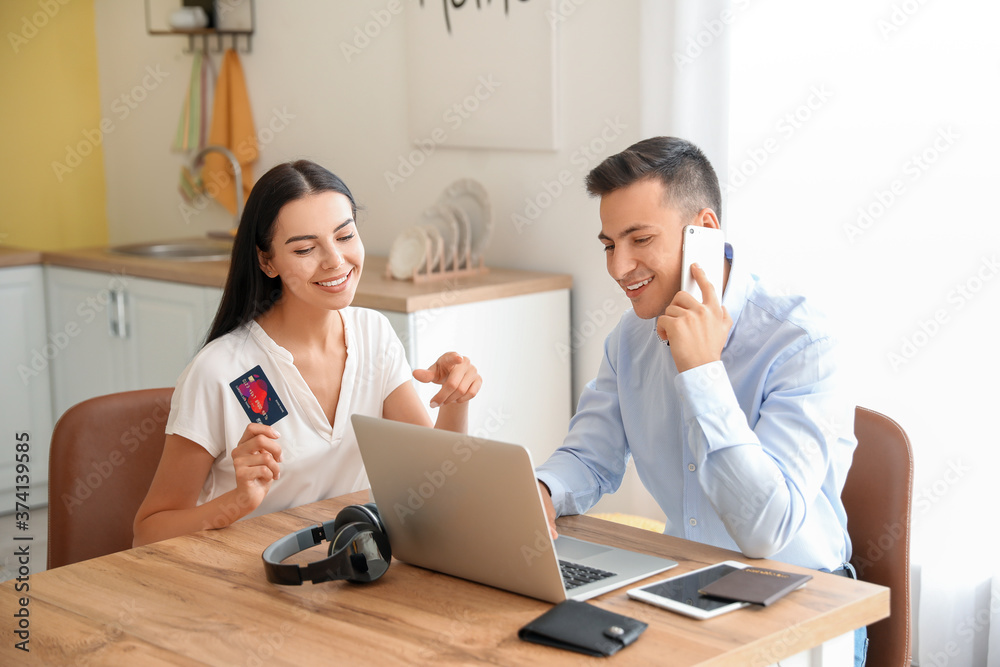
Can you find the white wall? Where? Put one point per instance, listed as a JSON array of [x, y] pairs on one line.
[[831, 106], [351, 117], [349, 114]]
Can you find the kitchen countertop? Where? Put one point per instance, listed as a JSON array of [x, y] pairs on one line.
[[374, 291], [10, 256], [204, 273]]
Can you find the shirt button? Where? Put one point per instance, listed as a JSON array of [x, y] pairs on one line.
[[693, 521], [692, 467]]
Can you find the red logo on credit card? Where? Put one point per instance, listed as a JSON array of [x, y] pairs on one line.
[[258, 398]]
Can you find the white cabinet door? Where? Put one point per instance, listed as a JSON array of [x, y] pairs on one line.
[[81, 305], [25, 402], [165, 326], [518, 345], [124, 333]]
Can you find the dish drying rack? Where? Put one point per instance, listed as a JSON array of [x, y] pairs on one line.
[[433, 268], [449, 243]]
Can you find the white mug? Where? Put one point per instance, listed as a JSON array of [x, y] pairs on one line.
[[188, 18]]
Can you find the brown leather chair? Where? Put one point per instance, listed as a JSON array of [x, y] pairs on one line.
[[877, 498], [104, 453]]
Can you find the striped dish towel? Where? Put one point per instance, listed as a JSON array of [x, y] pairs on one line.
[[192, 128], [193, 125]]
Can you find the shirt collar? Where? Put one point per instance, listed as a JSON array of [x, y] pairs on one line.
[[267, 342], [734, 296]]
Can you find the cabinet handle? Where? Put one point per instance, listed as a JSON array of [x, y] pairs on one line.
[[113, 314], [122, 321]]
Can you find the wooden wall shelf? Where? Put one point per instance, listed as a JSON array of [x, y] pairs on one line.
[[220, 34]]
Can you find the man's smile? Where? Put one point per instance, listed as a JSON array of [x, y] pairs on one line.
[[636, 287]]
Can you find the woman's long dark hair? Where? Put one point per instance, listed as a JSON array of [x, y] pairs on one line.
[[249, 292]]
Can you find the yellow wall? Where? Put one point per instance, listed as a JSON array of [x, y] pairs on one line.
[[50, 198]]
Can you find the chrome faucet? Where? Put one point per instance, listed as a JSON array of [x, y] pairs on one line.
[[236, 171]]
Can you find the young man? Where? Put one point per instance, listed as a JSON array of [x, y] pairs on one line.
[[731, 408]]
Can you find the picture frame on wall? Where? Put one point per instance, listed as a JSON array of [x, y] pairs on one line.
[[483, 75]]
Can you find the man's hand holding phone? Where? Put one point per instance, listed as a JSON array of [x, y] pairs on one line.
[[696, 330]]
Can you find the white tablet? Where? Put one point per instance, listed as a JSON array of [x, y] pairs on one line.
[[680, 593]]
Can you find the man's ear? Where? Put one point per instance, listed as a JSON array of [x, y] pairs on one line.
[[706, 218]]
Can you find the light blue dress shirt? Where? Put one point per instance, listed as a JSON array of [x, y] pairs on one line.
[[749, 453]]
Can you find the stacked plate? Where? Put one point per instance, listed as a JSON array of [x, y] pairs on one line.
[[452, 233]]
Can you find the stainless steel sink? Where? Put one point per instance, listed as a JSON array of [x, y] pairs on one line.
[[186, 251]]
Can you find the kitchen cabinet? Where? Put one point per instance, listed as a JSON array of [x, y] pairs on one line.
[[25, 402], [121, 332], [515, 344], [136, 332]]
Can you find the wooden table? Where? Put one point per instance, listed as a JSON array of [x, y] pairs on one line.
[[203, 599]]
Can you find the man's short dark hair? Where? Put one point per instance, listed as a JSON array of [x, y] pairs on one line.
[[689, 181]]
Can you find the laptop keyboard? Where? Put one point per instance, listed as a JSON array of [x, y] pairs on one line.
[[574, 574]]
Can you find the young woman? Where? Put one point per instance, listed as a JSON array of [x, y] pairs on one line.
[[260, 419]]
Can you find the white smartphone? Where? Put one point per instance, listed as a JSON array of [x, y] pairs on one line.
[[705, 246], [680, 593]]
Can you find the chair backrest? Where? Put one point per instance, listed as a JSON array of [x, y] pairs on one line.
[[877, 497], [104, 453]]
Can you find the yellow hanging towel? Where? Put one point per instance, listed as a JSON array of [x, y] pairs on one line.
[[232, 127]]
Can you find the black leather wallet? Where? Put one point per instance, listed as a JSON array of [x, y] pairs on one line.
[[578, 626]]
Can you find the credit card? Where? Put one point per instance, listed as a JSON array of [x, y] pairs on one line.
[[257, 396]]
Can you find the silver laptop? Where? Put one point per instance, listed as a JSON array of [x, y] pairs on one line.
[[471, 508]]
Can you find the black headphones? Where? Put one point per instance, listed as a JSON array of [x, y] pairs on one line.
[[359, 550]]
